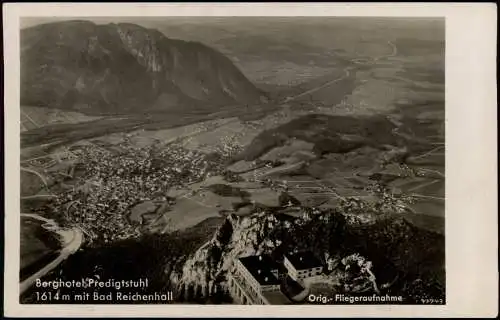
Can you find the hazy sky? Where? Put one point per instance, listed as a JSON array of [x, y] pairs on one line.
[[32, 21], [29, 22]]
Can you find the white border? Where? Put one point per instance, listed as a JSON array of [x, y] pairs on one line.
[[471, 156]]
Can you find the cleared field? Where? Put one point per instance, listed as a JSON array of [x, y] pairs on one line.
[[211, 140], [430, 207], [424, 186], [288, 150], [311, 199], [36, 117], [434, 188], [185, 214], [264, 196], [241, 166], [189, 210], [427, 222], [435, 159]]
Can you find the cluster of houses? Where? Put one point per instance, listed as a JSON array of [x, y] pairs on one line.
[[258, 279]]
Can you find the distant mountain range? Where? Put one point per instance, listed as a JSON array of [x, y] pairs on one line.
[[124, 68]]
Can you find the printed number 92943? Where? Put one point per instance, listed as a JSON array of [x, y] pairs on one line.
[[431, 301]]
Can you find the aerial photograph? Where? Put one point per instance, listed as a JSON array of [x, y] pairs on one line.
[[232, 160]]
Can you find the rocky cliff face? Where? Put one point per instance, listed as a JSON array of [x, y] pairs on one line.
[[371, 257], [123, 68], [204, 273]]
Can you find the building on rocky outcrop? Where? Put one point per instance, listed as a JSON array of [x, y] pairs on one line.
[[302, 265], [252, 278], [256, 279]]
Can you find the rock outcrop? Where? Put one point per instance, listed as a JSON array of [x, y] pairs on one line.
[[358, 258]]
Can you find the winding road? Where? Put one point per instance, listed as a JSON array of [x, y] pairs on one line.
[[72, 240], [347, 73]]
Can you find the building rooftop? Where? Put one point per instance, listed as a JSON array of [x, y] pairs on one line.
[[260, 268], [303, 260]]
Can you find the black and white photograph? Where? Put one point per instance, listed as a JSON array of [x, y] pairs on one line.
[[223, 160]]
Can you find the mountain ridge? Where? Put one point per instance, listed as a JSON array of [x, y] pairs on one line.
[[119, 68]]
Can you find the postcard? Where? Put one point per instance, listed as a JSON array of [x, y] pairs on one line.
[[250, 160]]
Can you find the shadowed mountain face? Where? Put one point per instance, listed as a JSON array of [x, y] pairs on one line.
[[79, 65]]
